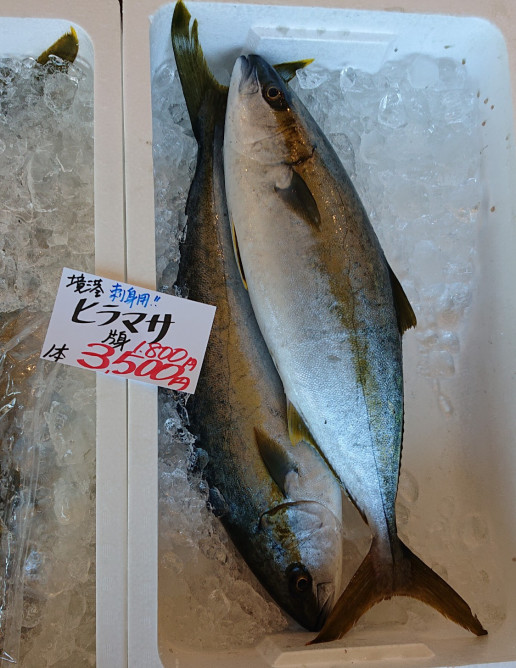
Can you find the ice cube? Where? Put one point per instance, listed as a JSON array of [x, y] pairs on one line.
[[391, 112], [310, 78], [347, 79], [423, 72], [60, 90], [163, 78]]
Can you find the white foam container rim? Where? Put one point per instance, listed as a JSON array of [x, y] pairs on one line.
[[29, 28]]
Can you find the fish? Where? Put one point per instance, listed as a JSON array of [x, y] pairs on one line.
[[279, 502], [332, 313]]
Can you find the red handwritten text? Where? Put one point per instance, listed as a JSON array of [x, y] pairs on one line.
[[153, 360]]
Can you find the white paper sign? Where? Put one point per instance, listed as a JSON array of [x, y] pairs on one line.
[[117, 328]]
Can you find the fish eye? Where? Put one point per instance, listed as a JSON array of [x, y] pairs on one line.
[[299, 579], [275, 97], [273, 93], [302, 583]]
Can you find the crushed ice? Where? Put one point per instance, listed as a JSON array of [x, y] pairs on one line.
[[47, 222]]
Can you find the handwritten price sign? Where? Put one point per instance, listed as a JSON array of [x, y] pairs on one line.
[[117, 328]]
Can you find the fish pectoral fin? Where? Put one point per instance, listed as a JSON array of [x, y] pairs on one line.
[[66, 48], [277, 460], [287, 71], [404, 312], [200, 87], [237, 255], [299, 199]]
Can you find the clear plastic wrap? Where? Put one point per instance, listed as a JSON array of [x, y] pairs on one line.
[[22, 394], [47, 411]]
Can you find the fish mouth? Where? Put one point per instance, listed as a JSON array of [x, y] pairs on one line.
[[248, 84], [325, 597]]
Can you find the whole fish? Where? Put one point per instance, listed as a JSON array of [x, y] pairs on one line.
[[279, 503], [332, 314]]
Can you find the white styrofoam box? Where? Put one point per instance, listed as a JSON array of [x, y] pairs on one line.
[[484, 36], [25, 29]]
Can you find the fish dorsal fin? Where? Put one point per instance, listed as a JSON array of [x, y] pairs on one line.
[[298, 197], [66, 47], [197, 80], [277, 460], [287, 71], [404, 313]]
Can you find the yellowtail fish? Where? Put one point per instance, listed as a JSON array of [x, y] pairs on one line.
[[332, 314], [279, 503]]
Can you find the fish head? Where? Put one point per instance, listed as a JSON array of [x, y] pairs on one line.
[[262, 119], [307, 561]]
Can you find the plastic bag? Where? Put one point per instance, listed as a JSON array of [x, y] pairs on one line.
[[23, 396]]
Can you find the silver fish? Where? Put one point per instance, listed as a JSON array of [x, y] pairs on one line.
[[279, 502], [332, 314]]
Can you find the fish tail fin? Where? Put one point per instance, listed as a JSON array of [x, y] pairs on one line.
[[66, 47], [419, 581], [408, 575], [199, 85]]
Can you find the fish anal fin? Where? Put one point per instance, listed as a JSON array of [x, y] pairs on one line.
[[66, 47], [277, 460], [298, 197], [405, 315], [287, 71], [376, 580], [297, 429]]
